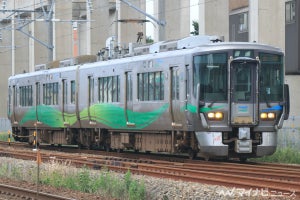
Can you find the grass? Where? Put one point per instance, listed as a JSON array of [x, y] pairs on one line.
[[103, 182], [4, 136], [282, 155]]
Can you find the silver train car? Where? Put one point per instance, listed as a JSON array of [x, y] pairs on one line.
[[194, 96]]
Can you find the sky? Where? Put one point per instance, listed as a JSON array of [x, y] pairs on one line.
[[194, 14]]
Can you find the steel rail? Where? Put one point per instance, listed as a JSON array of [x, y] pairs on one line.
[[28, 194]]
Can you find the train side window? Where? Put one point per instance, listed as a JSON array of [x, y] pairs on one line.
[[151, 86], [65, 91], [140, 87], [109, 89], [38, 93], [146, 84], [104, 89], [175, 84], [55, 93], [91, 89], [129, 86], [50, 93], [26, 95], [15, 101], [9, 101], [73, 89], [158, 86], [100, 89], [115, 88]]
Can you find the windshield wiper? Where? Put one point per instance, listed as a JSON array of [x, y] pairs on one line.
[[211, 104], [266, 99]]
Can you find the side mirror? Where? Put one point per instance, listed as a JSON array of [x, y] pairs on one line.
[[287, 101]]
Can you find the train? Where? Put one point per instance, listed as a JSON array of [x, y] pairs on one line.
[[197, 96]]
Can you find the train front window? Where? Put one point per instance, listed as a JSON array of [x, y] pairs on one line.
[[210, 71], [271, 77]]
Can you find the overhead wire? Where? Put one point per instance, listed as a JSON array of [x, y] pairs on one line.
[[66, 12]]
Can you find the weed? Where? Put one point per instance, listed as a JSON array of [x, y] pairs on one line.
[[282, 155]]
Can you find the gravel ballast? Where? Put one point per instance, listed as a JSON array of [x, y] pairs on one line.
[[156, 188]]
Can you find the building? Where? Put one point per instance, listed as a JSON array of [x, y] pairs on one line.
[[32, 34], [176, 15], [292, 52], [36, 33], [269, 22]]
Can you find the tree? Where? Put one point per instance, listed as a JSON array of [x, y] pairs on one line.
[[149, 40], [196, 28]]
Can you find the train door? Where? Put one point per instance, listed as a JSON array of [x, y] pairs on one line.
[[244, 90], [175, 97], [91, 112], [11, 103], [64, 99], [37, 99], [128, 100], [14, 102]]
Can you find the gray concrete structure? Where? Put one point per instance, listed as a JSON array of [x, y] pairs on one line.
[[292, 39], [82, 27], [260, 21], [176, 14], [38, 32], [213, 18]]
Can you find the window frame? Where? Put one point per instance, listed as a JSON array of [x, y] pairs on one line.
[[109, 89], [50, 93], [290, 12], [151, 86], [26, 94]]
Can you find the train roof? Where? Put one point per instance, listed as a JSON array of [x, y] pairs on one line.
[[190, 48]]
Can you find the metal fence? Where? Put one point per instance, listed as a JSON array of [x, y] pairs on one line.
[[288, 136], [4, 124]]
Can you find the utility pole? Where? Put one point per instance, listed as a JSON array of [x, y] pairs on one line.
[[161, 23], [41, 11]]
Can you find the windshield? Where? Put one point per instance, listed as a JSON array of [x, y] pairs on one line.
[[243, 77], [271, 77], [210, 71]]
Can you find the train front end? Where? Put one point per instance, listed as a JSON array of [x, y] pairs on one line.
[[242, 102]]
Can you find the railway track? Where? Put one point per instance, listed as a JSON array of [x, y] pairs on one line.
[[12, 192], [277, 178]]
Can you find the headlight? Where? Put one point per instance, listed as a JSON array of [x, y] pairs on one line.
[[267, 116], [215, 115], [263, 115], [271, 115]]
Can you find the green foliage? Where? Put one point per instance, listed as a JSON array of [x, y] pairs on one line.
[[282, 155], [149, 40], [196, 28], [101, 182], [4, 137], [136, 192], [104, 183], [84, 180]]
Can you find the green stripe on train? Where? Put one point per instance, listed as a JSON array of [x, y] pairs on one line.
[[107, 114]]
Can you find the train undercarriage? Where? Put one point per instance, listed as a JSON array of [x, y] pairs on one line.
[[203, 144], [172, 142]]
